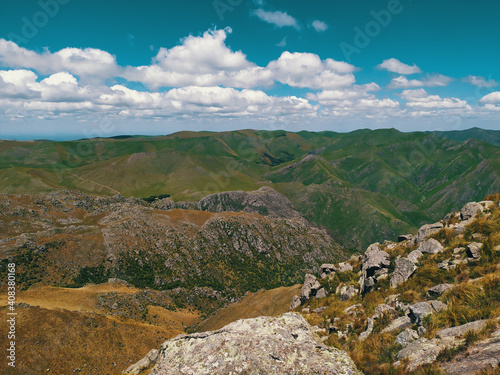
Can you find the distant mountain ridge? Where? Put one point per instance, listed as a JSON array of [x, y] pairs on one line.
[[361, 186], [487, 135]]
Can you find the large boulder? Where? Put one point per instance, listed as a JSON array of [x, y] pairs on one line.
[[263, 345], [143, 364], [404, 269]]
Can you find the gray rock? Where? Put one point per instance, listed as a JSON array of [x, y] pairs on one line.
[[263, 345], [366, 284], [344, 267], [427, 230], [319, 309], [382, 309], [431, 246], [420, 310], [414, 256], [404, 269], [369, 329], [420, 352], [328, 268], [438, 290], [484, 355], [143, 364], [375, 259], [405, 237], [321, 293], [444, 265], [470, 210], [347, 292], [295, 302], [353, 309], [406, 337], [454, 332], [310, 287], [474, 250], [398, 324]]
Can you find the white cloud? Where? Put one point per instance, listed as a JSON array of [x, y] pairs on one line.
[[420, 99], [88, 62], [433, 80], [308, 70], [491, 98], [277, 18], [395, 66], [200, 61], [319, 26], [480, 81]]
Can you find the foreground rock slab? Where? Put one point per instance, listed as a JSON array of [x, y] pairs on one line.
[[263, 345]]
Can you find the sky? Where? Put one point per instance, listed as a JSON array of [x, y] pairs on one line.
[[72, 69]]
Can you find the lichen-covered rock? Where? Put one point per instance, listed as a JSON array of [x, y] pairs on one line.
[[404, 269], [264, 345], [405, 237], [321, 293], [414, 256], [369, 329], [374, 267], [344, 267], [419, 352]]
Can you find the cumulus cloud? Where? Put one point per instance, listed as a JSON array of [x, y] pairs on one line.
[[421, 99], [395, 66], [319, 26], [433, 80], [277, 18], [480, 81], [491, 98], [200, 61], [88, 62], [308, 70]]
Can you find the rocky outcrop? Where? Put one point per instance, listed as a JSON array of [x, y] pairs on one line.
[[374, 266], [484, 355], [265, 201], [474, 250], [310, 287], [264, 345]]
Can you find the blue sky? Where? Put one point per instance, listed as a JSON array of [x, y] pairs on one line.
[[73, 68]]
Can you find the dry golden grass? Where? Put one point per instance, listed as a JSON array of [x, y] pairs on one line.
[[272, 302]]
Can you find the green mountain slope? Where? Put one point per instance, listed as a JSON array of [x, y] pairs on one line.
[[396, 181]]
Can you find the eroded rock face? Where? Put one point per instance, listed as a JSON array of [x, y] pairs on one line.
[[470, 210], [264, 345]]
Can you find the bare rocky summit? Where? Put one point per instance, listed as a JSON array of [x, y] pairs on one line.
[[264, 345]]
